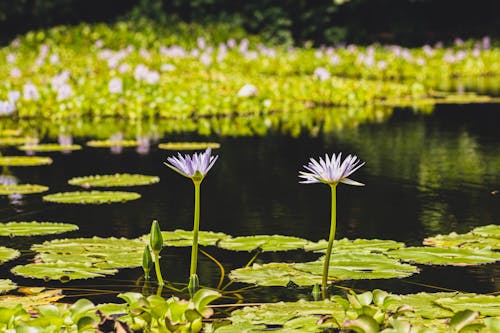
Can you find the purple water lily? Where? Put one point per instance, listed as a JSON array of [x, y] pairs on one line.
[[331, 170], [194, 166]]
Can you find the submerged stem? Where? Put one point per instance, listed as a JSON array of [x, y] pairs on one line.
[[333, 225], [196, 227]]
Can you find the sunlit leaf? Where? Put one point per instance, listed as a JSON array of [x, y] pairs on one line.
[[357, 245], [492, 230], [109, 143], [183, 238], [49, 147], [63, 271], [28, 301], [445, 256], [22, 189], [91, 197], [15, 141], [188, 145], [487, 305], [274, 274], [467, 241], [113, 180], [263, 242], [7, 254], [34, 228], [6, 285], [24, 160]]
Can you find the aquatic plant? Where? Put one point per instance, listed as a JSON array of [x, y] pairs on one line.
[[331, 171], [155, 244], [195, 167]]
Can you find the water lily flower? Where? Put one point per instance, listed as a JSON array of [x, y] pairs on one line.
[[15, 73], [321, 74], [11, 58], [7, 107], [115, 85], [13, 96], [195, 166], [331, 170], [64, 92]]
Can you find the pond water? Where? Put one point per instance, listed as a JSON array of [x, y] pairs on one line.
[[425, 174]]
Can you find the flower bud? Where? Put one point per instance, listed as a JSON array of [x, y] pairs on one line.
[[147, 261], [156, 239]]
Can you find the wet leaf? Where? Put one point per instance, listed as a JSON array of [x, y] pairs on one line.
[[109, 143], [425, 304], [28, 301], [7, 254], [22, 189], [15, 141], [264, 242], [491, 230], [24, 161], [487, 305], [49, 147], [6, 285], [91, 197], [445, 256], [466, 241], [182, 238], [63, 271], [274, 274], [113, 180], [357, 245], [34, 228], [188, 145]]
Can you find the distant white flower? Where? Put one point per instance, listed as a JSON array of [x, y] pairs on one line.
[[115, 85], [459, 42], [11, 58], [99, 43], [65, 139], [143, 146], [141, 72], [153, 77], [382, 65], [200, 41], [486, 43], [231, 43], [476, 52], [145, 54], [318, 54], [16, 43], [13, 96], [248, 90], [54, 59], [428, 50], [206, 59], [44, 50], [15, 73], [60, 80], [420, 61], [321, 74], [7, 108], [64, 92], [30, 92], [124, 68], [335, 59], [167, 68], [243, 47], [461, 55]]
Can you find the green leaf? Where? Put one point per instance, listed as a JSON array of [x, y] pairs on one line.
[[357, 245], [115, 180], [445, 256], [30, 300], [492, 230], [188, 145], [91, 197], [49, 147], [108, 143], [6, 285], [63, 271], [15, 141], [462, 319], [7, 254], [487, 305], [467, 241], [24, 161], [424, 304], [362, 324], [183, 238], [274, 274], [22, 189], [263, 242], [34, 228], [202, 298]]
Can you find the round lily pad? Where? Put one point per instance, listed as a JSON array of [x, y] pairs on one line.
[[424, 304], [10, 132], [7, 254], [357, 245], [181, 238], [188, 145], [16, 141], [113, 180], [109, 143], [31, 298], [263, 242], [34, 228], [466, 241], [492, 231], [63, 271], [24, 161], [91, 197], [445, 256], [22, 189], [49, 147], [487, 305], [6, 285]]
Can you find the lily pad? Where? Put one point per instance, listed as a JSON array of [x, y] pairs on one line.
[[444, 256], [91, 197], [491, 230], [263, 242], [466, 241], [183, 238], [357, 245], [16, 141], [22, 189], [34, 228], [7, 254], [33, 299], [274, 274], [49, 147], [113, 180], [188, 145], [487, 305], [6, 285], [63, 271], [110, 143], [24, 161], [10, 132], [425, 304]]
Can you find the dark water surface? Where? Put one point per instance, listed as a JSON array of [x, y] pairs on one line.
[[424, 175]]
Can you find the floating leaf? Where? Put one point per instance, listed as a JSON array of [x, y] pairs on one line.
[[109, 143], [49, 147], [360, 266], [16, 141], [113, 180], [7, 254], [357, 245], [424, 304], [188, 145], [263, 242], [185, 238], [91, 197], [22, 189], [28, 301], [10, 132], [63, 271], [6, 285], [34, 228], [444, 256], [466, 241], [274, 274], [487, 305], [24, 161], [491, 230]]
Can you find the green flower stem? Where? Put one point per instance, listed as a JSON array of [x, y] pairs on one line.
[[196, 227], [333, 225], [157, 269]]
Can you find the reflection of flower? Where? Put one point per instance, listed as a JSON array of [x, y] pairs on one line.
[[331, 171], [8, 180], [195, 166]]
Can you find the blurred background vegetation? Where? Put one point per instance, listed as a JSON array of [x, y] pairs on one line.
[[407, 22]]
